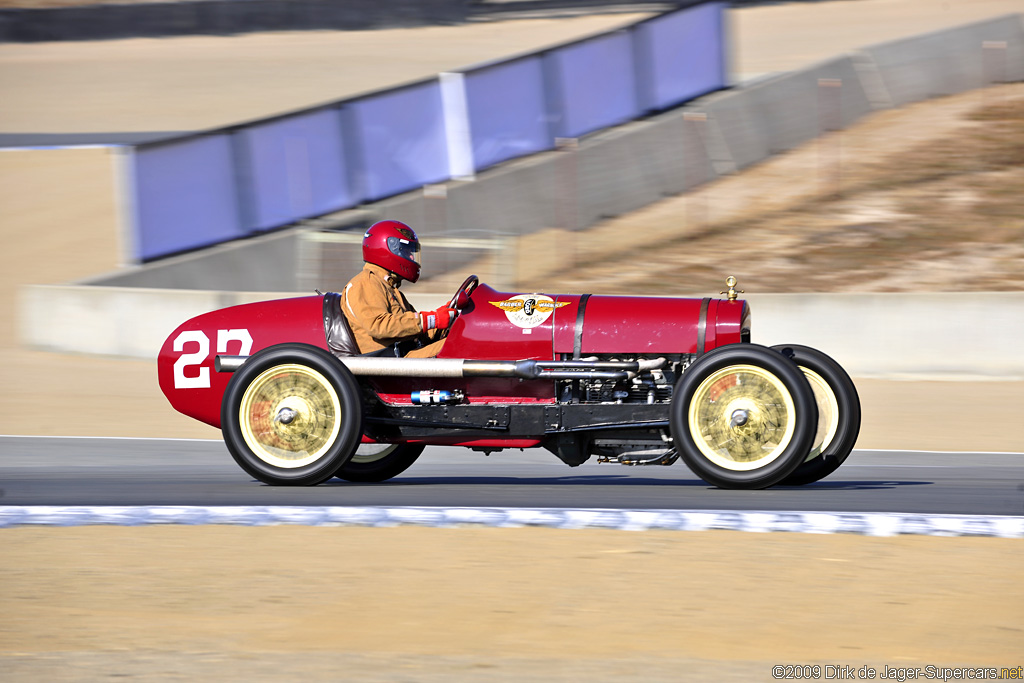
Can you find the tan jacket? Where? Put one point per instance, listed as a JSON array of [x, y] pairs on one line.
[[378, 313]]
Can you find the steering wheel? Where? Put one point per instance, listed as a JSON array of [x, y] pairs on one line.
[[461, 297]]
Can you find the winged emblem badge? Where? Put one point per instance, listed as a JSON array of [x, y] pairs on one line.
[[529, 310]]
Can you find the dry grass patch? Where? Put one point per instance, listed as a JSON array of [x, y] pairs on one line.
[[944, 214]]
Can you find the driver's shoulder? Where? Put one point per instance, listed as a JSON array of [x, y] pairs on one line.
[[367, 279]]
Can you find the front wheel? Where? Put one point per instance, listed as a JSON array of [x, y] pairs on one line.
[[379, 462], [743, 417], [292, 415], [838, 413]]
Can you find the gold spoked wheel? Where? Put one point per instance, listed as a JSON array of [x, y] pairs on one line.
[[741, 417], [290, 416], [828, 412]]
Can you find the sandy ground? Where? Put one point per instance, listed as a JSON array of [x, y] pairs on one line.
[[408, 604], [419, 604]]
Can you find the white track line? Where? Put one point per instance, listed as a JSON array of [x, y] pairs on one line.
[[863, 524], [866, 524]]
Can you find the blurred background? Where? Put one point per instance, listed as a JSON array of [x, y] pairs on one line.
[[857, 164], [854, 160]]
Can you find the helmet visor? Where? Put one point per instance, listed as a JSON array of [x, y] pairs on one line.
[[403, 248]]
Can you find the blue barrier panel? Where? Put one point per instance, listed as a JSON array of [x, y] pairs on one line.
[[681, 55], [595, 85], [202, 190], [185, 196], [296, 168], [402, 139], [507, 111]]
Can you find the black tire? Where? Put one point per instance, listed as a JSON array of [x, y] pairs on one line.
[[379, 462], [838, 413], [292, 415], [743, 417]]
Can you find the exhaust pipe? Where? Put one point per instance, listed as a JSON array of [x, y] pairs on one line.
[[371, 366]]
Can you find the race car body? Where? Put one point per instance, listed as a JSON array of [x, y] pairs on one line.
[[636, 380]]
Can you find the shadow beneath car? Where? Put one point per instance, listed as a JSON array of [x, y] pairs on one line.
[[884, 484], [584, 480], [617, 481]]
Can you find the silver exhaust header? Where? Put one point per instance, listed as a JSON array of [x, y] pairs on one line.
[[378, 366]]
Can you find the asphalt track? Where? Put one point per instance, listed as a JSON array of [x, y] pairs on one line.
[[48, 471]]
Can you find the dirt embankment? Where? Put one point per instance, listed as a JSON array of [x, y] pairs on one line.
[[924, 198]]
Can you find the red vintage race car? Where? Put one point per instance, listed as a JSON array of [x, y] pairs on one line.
[[633, 380]]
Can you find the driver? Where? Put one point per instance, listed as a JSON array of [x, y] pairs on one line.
[[380, 316]]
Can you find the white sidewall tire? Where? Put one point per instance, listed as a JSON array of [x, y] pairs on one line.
[[308, 375], [776, 379]]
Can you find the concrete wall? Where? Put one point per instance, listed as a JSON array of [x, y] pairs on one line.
[[951, 61], [911, 336], [920, 335], [267, 263], [127, 322], [783, 112]]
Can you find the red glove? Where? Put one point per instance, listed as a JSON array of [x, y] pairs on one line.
[[439, 319]]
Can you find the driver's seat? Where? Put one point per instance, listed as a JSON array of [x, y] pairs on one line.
[[340, 339]]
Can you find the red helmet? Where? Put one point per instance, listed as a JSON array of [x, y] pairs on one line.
[[392, 245]]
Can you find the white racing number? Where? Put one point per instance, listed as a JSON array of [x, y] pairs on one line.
[[201, 379]]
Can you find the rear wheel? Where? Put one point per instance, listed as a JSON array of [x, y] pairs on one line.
[[292, 415], [379, 462], [743, 417], [838, 413]]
